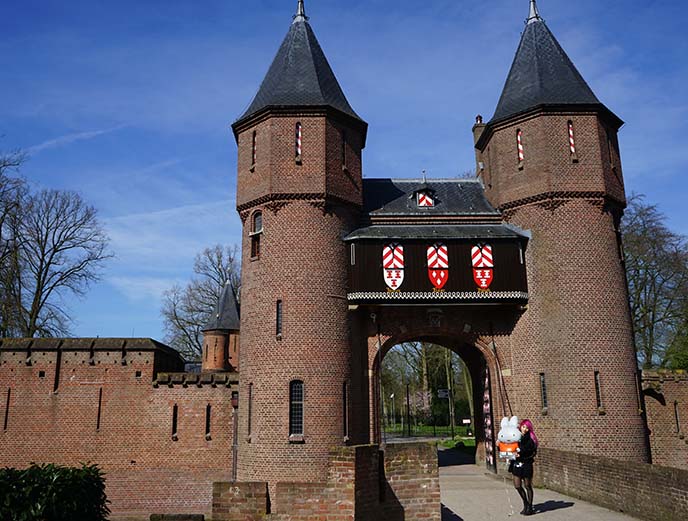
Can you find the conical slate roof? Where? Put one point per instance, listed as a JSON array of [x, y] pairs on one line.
[[226, 313], [541, 74], [300, 75]]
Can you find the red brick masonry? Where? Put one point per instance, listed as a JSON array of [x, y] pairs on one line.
[[407, 489], [642, 490]]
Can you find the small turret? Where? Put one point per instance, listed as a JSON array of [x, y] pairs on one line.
[[221, 334]]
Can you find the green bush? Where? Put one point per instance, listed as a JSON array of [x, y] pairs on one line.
[[53, 493]]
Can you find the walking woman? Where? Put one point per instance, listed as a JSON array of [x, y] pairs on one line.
[[522, 466]]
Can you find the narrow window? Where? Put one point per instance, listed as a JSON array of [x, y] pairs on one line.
[[58, 364], [296, 408], [278, 318], [100, 408], [637, 392], [254, 149], [207, 421], [543, 392], [598, 391], [345, 409], [344, 145], [519, 144], [297, 143], [256, 232], [175, 414], [7, 408], [610, 147], [677, 418], [572, 139], [250, 408], [353, 254]]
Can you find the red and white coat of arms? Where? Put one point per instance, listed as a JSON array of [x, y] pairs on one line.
[[393, 265], [481, 258], [438, 265]]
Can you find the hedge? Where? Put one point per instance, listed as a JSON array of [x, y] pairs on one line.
[[53, 493]]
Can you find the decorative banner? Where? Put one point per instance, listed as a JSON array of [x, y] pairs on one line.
[[481, 258], [393, 265], [438, 265], [425, 200]]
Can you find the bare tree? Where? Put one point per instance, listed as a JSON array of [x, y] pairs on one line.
[[187, 309], [657, 271], [61, 247], [11, 191]]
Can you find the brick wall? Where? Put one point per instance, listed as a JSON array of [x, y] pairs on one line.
[[410, 482], [666, 403], [307, 206], [147, 471], [413, 483], [642, 490], [578, 321]]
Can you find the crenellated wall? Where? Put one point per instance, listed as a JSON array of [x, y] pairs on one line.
[[107, 401]]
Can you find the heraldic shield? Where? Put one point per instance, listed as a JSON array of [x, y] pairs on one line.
[[481, 258], [438, 265], [393, 265]]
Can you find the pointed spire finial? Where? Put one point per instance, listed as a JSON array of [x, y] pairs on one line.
[[300, 15], [534, 15]]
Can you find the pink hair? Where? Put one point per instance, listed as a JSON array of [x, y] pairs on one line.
[[529, 424]]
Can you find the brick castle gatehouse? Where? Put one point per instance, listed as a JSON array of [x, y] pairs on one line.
[[503, 269]]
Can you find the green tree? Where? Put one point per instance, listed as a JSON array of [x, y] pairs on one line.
[[656, 261]]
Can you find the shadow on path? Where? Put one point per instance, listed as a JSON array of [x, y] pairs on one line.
[[550, 505], [449, 515], [451, 457]]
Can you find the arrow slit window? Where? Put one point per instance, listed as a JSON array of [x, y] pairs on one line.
[[254, 150], [519, 146], [256, 232], [278, 319]]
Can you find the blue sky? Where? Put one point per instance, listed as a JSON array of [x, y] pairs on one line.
[[130, 102]]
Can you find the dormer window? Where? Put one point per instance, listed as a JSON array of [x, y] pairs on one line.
[[425, 199]]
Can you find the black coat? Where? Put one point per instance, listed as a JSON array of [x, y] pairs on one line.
[[527, 448]]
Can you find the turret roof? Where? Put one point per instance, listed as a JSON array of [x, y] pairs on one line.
[[225, 317], [300, 75], [542, 74]]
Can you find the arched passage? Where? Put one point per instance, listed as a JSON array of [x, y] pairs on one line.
[[450, 329]]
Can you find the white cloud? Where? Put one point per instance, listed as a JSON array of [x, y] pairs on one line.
[[142, 288], [68, 139]]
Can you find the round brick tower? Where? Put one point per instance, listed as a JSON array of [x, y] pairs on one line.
[[550, 162], [299, 191]]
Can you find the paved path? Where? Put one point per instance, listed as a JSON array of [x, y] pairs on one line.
[[469, 495]]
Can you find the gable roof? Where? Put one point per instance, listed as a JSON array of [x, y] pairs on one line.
[[300, 76]]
